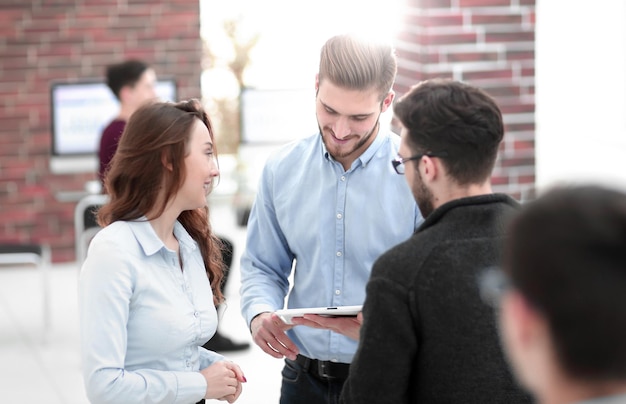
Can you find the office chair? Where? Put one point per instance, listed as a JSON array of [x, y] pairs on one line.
[[85, 224], [38, 255]]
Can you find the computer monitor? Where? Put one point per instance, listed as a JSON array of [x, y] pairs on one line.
[[79, 112]]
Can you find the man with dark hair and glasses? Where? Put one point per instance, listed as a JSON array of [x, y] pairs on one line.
[[427, 337], [563, 315]]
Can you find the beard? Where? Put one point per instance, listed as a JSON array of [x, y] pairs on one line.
[[338, 151], [423, 196]]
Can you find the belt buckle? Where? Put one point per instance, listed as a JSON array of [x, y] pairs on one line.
[[322, 370]]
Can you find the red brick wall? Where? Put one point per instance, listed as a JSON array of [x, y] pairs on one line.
[[46, 40], [487, 43]]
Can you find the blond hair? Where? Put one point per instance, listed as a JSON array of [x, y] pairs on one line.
[[356, 63]]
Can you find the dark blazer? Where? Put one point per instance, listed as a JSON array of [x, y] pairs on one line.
[[427, 336]]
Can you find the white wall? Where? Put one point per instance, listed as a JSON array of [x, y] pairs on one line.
[[581, 92]]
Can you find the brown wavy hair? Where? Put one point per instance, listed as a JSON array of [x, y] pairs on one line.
[[157, 133]]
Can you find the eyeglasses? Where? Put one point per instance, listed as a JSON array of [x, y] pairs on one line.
[[398, 164]]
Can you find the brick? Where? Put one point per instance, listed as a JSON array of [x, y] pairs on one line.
[[518, 162], [490, 74], [485, 19], [520, 127], [517, 108], [432, 4], [520, 55], [502, 90], [14, 5], [477, 56], [526, 179], [499, 180], [504, 37], [483, 3], [448, 39]]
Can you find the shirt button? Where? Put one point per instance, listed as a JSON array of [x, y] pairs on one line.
[[196, 314], [337, 292], [343, 178], [338, 253], [339, 216]]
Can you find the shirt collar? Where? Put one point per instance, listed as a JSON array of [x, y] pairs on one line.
[[368, 154], [151, 243]]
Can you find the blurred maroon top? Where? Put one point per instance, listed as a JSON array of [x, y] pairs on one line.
[[108, 144]]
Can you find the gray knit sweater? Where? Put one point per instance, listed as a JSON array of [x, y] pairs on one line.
[[427, 336]]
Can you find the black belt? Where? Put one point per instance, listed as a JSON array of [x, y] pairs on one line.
[[325, 370]]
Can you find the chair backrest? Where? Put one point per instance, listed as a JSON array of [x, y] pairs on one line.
[[35, 254], [38, 255], [85, 224]]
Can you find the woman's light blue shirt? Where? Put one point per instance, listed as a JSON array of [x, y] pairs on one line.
[[143, 321], [331, 224]]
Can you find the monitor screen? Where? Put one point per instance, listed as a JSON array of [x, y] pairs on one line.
[[276, 116], [81, 110]]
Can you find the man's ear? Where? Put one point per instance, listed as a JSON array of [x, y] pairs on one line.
[[524, 322], [125, 93], [317, 83], [429, 168], [387, 101]]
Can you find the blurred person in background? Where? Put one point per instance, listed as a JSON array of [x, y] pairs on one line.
[[329, 205], [563, 307], [133, 82], [151, 280]]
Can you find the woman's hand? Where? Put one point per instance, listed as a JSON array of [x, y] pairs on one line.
[[223, 381]]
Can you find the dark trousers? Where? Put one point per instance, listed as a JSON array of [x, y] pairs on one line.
[[302, 386]]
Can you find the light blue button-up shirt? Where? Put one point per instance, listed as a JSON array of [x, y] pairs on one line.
[[142, 319], [332, 224]]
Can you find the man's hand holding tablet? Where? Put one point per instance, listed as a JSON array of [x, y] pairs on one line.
[[345, 320]]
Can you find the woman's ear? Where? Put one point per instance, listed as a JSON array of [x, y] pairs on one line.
[[166, 163]]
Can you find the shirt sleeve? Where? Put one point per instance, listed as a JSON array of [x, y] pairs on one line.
[[105, 290], [387, 341], [266, 263], [207, 358]]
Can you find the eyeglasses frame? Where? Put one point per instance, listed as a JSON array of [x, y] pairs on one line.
[[399, 161]]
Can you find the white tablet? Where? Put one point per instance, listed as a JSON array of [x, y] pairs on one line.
[[287, 314]]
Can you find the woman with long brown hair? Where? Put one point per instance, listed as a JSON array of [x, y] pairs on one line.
[[150, 283]]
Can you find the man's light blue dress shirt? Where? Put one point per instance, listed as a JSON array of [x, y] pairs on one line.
[[332, 224], [142, 320]]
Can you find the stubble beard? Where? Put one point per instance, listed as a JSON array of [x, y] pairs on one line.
[[423, 196], [338, 151]]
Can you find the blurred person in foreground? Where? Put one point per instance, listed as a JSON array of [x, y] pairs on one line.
[[327, 206], [150, 282], [563, 314], [427, 337]]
